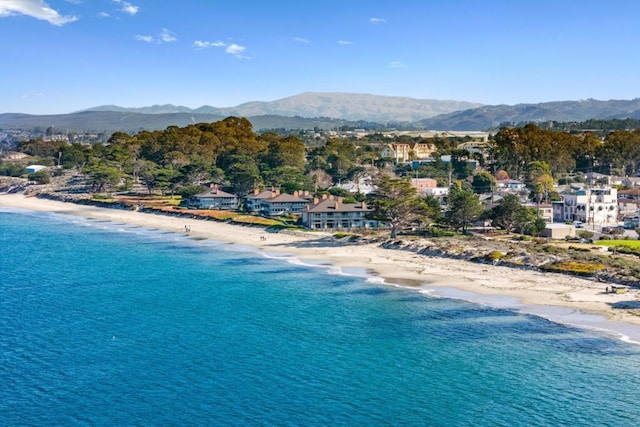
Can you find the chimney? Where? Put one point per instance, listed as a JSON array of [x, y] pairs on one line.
[[296, 194], [340, 199], [315, 201], [324, 197], [363, 205], [256, 191]]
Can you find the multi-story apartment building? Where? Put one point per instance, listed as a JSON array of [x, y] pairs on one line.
[[330, 212], [591, 206]]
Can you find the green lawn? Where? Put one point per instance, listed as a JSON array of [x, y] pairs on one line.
[[626, 243]]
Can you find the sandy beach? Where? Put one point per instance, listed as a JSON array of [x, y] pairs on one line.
[[558, 297]]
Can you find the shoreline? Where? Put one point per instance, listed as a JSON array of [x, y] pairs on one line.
[[559, 298]]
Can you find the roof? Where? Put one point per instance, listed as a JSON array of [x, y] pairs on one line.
[[557, 225], [285, 198], [332, 204], [265, 194], [215, 193]]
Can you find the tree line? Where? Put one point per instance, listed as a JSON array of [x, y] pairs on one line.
[[228, 152]]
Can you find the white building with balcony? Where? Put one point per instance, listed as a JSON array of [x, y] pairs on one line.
[[596, 205]]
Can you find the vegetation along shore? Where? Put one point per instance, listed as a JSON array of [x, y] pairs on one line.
[[413, 207]]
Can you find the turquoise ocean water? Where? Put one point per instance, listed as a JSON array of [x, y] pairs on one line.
[[105, 324]]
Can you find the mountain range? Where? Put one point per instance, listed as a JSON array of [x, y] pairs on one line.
[[344, 106], [331, 110]]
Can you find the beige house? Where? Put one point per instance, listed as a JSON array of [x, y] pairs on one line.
[[407, 151], [423, 184], [558, 231]]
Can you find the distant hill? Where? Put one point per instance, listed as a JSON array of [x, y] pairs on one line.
[[344, 106], [492, 116], [112, 121], [333, 110]]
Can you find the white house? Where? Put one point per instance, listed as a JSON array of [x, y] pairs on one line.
[[34, 168], [591, 206]]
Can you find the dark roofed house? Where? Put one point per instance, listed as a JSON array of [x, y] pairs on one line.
[[283, 204], [253, 202], [214, 198], [330, 212]]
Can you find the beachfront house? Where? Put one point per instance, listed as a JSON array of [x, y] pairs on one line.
[[330, 212], [283, 204], [215, 198], [253, 202], [589, 205]]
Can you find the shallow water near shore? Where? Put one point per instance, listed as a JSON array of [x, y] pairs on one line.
[[107, 324]]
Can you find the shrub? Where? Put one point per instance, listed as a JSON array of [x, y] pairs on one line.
[[573, 267], [41, 177], [586, 235], [579, 249]]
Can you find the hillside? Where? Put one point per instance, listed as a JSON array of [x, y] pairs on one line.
[[344, 106], [333, 110], [112, 121], [492, 116]]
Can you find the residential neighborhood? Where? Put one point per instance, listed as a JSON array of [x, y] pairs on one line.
[[332, 183]]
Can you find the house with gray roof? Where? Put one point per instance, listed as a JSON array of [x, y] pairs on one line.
[[253, 202], [283, 204], [214, 198], [331, 212]]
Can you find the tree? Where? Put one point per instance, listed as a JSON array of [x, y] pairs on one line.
[[530, 222], [483, 182], [284, 152], [102, 175], [243, 174], [398, 204], [507, 213], [464, 208]]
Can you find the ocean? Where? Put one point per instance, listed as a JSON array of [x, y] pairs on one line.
[[106, 324]]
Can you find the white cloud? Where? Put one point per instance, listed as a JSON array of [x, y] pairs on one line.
[[127, 7], [300, 40], [377, 20], [146, 39], [344, 42], [232, 49], [167, 36], [31, 95], [397, 64], [104, 15], [200, 44], [38, 9], [236, 50]]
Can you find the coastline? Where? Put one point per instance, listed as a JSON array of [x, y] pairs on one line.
[[557, 297]]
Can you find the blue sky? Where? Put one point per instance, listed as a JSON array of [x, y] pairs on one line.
[[60, 56]]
